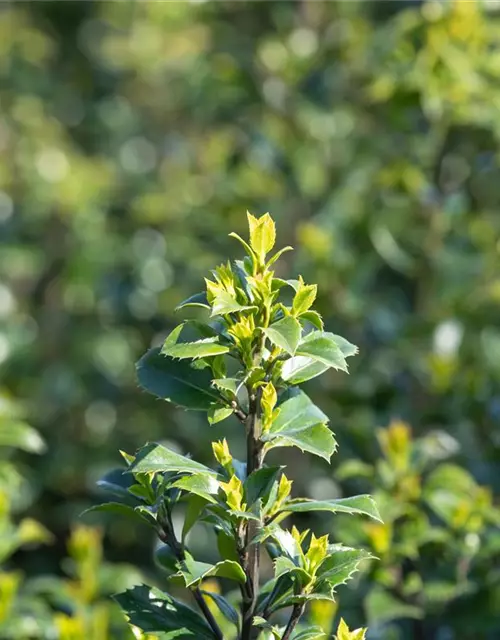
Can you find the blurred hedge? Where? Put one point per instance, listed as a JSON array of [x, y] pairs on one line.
[[133, 137]]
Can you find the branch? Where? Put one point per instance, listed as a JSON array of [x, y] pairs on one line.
[[238, 411], [252, 550], [297, 612], [207, 613], [167, 535]]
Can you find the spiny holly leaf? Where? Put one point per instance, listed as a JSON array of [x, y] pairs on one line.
[[302, 424], [201, 484], [176, 382], [321, 346], [192, 572], [314, 318], [363, 504], [348, 349], [304, 298], [198, 349], [224, 303], [154, 611], [228, 384], [341, 563], [285, 334], [154, 458]]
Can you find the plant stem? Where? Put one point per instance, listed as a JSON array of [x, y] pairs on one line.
[[198, 596], [252, 551], [297, 612], [168, 536]]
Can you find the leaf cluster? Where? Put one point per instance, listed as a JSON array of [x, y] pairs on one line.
[[246, 360]]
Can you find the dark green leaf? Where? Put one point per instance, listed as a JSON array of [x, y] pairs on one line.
[[154, 611], [227, 609], [302, 424], [118, 483], [166, 559], [217, 413], [284, 566], [226, 545], [341, 564], [195, 506], [239, 270], [121, 509], [199, 349], [157, 458], [193, 571], [363, 504], [197, 300], [259, 483], [285, 334], [176, 381]]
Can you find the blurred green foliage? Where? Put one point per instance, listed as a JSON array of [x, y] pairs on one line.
[[132, 135], [45, 606]]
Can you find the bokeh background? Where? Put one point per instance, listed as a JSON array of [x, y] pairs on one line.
[[133, 137]]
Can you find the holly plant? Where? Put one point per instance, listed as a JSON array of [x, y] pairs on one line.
[[246, 360]]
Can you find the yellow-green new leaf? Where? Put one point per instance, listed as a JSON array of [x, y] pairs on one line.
[[343, 632], [262, 234], [304, 299]]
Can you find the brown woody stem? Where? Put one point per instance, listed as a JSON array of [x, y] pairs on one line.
[[252, 550], [297, 612]]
